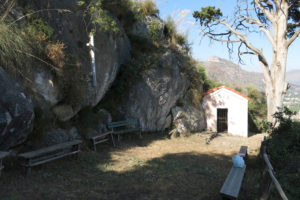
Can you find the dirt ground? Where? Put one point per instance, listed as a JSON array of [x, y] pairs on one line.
[[154, 167]]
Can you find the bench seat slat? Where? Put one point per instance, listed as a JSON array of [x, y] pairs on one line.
[[101, 140], [42, 161], [45, 150], [233, 182], [122, 123], [101, 135]]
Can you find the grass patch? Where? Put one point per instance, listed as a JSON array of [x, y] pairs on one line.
[[164, 169]]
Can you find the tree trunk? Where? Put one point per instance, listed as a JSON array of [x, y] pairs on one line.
[[274, 76]]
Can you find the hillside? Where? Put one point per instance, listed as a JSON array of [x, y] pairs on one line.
[[227, 72]]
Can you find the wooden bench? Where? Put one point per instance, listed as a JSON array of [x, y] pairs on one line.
[[232, 185], [126, 126], [47, 154], [103, 137], [243, 151], [3, 154]]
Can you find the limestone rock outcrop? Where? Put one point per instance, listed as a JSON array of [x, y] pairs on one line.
[[74, 91], [146, 27], [187, 119], [16, 113], [152, 98]]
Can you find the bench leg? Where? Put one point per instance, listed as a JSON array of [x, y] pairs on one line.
[[112, 140], [28, 171], [1, 166], [76, 147], [94, 145]]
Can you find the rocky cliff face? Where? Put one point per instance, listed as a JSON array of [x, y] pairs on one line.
[[74, 92], [152, 98], [16, 113], [66, 92]]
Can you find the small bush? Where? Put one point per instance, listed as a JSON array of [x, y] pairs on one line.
[[99, 18], [39, 30]]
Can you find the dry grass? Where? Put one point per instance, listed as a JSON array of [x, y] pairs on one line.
[[147, 7], [152, 168], [55, 52]]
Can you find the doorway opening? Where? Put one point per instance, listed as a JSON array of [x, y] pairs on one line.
[[222, 120]]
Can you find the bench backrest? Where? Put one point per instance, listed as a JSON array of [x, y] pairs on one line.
[[3, 154], [122, 123]]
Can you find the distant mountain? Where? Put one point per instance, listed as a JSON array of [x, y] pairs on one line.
[[225, 71], [293, 77]]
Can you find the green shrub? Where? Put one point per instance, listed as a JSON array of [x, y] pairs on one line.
[[207, 84], [257, 108], [39, 30], [154, 31], [99, 18]]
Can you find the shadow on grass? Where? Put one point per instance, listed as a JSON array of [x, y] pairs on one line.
[[102, 175]]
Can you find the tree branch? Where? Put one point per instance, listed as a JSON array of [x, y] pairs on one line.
[[265, 11], [212, 36], [243, 38], [291, 40], [261, 27], [277, 4]]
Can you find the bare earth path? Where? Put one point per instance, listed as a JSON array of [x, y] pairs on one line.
[[152, 168]]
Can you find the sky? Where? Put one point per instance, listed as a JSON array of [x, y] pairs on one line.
[[182, 10]]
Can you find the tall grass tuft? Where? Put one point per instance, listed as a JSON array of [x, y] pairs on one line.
[[174, 36], [12, 45], [147, 8]]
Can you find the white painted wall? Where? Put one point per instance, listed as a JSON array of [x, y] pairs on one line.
[[237, 111]]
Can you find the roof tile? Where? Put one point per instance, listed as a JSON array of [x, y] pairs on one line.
[[228, 88]]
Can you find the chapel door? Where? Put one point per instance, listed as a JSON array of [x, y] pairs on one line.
[[222, 120]]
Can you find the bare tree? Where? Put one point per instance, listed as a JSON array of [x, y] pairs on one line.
[[278, 20]]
